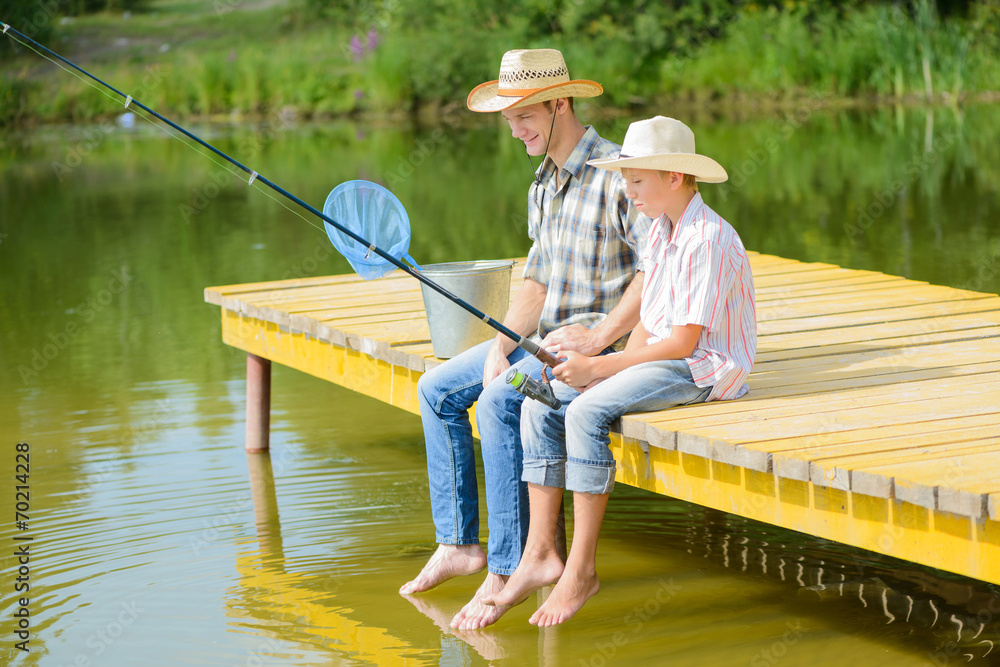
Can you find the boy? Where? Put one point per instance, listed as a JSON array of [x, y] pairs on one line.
[[695, 341]]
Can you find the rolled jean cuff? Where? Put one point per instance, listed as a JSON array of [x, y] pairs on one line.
[[451, 541], [590, 476], [544, 472]]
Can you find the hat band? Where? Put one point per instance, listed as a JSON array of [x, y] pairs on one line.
[[516, 92]]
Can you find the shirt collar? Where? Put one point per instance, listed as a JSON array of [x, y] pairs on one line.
[[576, 162], [691, 213]]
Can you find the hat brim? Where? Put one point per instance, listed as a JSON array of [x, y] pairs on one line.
[[704, 169], [485, 98]]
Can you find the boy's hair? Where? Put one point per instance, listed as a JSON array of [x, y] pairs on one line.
[[689, 179]]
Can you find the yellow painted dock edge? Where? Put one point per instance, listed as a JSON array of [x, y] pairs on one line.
[[899, 529]]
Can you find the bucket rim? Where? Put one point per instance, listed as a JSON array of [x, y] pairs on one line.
[[476, 266]]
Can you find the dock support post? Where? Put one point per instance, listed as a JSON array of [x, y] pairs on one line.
[[258, 403]]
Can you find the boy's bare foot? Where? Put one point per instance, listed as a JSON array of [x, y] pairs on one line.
[[568, 596], [450, 560], [477, 615], [530, 575]]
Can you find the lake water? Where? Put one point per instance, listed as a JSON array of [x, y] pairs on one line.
[[156, 541]]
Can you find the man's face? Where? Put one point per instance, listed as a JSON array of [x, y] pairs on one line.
[[531, 125]]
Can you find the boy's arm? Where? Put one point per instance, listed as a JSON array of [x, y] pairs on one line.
[[580, 371], [619, 321], [633, 228], [522, 317]]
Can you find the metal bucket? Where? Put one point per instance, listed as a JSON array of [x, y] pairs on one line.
[[484, 284]]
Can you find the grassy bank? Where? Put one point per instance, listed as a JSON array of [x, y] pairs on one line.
[[256, 58]]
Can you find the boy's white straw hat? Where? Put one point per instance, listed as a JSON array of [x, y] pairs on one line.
[[529, 76], [664, 144]]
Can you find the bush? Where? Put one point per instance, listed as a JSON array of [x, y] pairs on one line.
[[33, 18]]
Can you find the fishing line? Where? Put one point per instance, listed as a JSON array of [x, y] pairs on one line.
[[524, 343], [166, 131]]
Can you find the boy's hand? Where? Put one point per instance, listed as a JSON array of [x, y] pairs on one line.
[[575, 337], [578, 371]]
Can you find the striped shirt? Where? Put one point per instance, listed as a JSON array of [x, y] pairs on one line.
[[586, 236], [699, 273]]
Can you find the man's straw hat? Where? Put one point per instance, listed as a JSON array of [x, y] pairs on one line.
[[529, 76], [663, 144]]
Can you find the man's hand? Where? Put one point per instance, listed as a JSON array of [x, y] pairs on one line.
[[496, 362], [575, 338], [578, 371]]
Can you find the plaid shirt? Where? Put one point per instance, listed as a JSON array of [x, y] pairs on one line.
[[586, 236]]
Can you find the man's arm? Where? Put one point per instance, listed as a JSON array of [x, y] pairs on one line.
[[522, 317], [620, 320]]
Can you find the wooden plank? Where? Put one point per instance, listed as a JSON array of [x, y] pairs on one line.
[[809, 349], [878, 361], [831, 463], [853, 472], [917, 482], [752, 412], [727, 441], [894, 314], [752, 453], [214, 295], [796, 340], [848, 280], [645, 425], [845, 301], [796, 276]]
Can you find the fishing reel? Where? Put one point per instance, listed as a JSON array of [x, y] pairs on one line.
[[540, 391]]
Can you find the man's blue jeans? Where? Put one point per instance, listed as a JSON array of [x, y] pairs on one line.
[[446, 393], [568, 448]]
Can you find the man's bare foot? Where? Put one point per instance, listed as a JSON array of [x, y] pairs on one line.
[[477, 615], [531, 574], [450, 560], [568, 596]]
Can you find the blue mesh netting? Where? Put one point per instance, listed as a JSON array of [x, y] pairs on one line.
[[373, 213]]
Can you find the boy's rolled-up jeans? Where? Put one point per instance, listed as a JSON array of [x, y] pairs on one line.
[[568, 448]]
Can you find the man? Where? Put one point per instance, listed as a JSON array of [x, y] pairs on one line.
[[584, 255]]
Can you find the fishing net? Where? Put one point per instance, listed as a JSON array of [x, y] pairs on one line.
[[373, 213]]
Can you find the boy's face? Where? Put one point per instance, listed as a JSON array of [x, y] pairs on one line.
[[648, 190], [531, 125]]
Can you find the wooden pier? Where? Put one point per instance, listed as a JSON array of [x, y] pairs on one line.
[[873, 417]]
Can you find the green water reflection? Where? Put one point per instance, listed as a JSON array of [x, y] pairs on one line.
[[112, 367]]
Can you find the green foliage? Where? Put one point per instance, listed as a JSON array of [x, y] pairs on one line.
[[34, 18], [319, 57], [879, 49], [13, 100], [78, 7]]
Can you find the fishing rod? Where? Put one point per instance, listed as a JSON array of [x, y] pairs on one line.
[[525, 344]]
